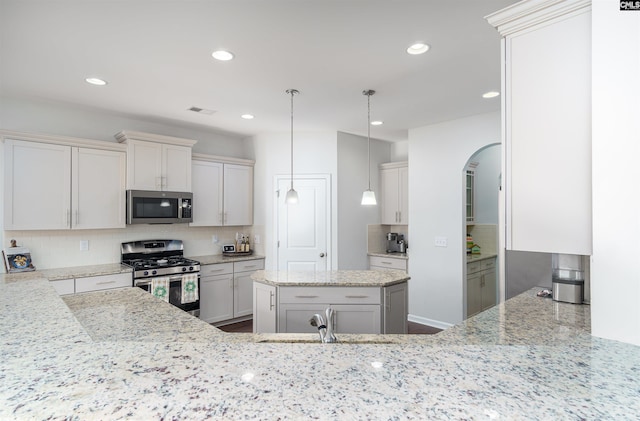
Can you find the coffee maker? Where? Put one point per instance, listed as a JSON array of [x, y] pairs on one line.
[[396, 243]]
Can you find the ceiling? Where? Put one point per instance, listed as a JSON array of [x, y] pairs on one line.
[[156, 58]]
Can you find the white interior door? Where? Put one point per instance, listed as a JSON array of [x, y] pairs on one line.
[[304, 230]]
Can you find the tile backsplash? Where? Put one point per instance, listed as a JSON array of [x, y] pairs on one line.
[[486, 236], [61, 248], [377, 236]]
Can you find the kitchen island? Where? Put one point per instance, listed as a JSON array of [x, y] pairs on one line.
[[122, 354], [363, 301]]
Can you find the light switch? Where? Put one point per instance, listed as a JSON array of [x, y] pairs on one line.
[[440, 241], [256, 239], [84, 245], [214, 238]]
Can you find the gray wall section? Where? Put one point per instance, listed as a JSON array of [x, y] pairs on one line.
[[353, 218], [526, 270]]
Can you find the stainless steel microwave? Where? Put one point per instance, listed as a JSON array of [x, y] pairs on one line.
[[159, 207]]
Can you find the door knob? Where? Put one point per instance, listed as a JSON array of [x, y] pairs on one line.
[[321, 254]]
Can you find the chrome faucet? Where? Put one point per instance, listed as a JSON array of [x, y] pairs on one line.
[[325, 325]]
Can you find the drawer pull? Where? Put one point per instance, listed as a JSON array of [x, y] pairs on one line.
[[356, 296], [105, 282], [386, 263], [250, 266], [306, 296]]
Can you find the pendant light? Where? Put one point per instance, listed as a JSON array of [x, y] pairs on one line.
[[369, 196], [292, 195]]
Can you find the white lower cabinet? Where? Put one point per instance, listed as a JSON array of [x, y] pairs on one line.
[[226, 290], [357, 309], [481, 286]]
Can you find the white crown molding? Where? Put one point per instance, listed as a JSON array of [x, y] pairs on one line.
[[529, 13], [222, 159], [125, 135], [62, 140]]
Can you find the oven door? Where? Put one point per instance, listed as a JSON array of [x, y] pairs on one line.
[[175, 294]]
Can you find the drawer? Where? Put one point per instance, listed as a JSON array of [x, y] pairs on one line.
[[248, 265], [217, 269], [388, 262], [330, 295], [488, 264], [97, 283], [474, 267], [63, 286]]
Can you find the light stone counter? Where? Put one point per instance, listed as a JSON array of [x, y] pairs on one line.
[[403, 256], [476, 257], [122, 354], [211, 259], [342, 278]]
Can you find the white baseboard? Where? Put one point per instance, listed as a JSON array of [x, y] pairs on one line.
[[428, 322]]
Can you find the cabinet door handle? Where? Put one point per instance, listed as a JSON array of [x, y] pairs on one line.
[[220, 217], [231, 283], [399, 216], [356, 296], [68, 217], [224, 218], [77, 217], [158, 182], [271, 303], [306, 296]]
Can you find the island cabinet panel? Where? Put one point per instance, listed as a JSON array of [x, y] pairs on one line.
[[63, 286], [396, 308], [369, 309], [264, 308], [386, 263]]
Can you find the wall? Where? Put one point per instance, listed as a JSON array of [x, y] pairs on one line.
[[314, 153], [615, 278], [60, 248], [56, 118], [353, 218], [437, 157], [487, 184]]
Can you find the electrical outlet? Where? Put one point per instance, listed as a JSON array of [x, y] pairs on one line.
[[440, 241], [214, 239], [256, 239], [84, 245]]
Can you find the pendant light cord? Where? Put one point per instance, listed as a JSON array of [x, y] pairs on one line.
[[369, 135], [292, 92]]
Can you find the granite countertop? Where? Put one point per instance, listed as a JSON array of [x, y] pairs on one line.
[[213, 259], [67, 272], [123, 354], [340, 278], [403, 256]]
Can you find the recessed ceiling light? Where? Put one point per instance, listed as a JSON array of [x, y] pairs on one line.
[[96, 81], [376, 123], [222, 55], [247, 116], [418, 48], [490, 94]]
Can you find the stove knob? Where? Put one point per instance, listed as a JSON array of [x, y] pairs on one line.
[[153, 272], [184, 269], [190, 267], [146, 272]]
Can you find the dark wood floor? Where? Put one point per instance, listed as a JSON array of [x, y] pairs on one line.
[[247, 327]]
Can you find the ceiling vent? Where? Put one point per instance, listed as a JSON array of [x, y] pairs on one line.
[[201, 110]]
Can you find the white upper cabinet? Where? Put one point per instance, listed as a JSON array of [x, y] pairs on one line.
[[222, 191], [206, 180], [394, 193], [547, 124], [155, 162], [238, 194], [98, 186], [59, 186]]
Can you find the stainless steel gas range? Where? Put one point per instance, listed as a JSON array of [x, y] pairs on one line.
[[159, 267]]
